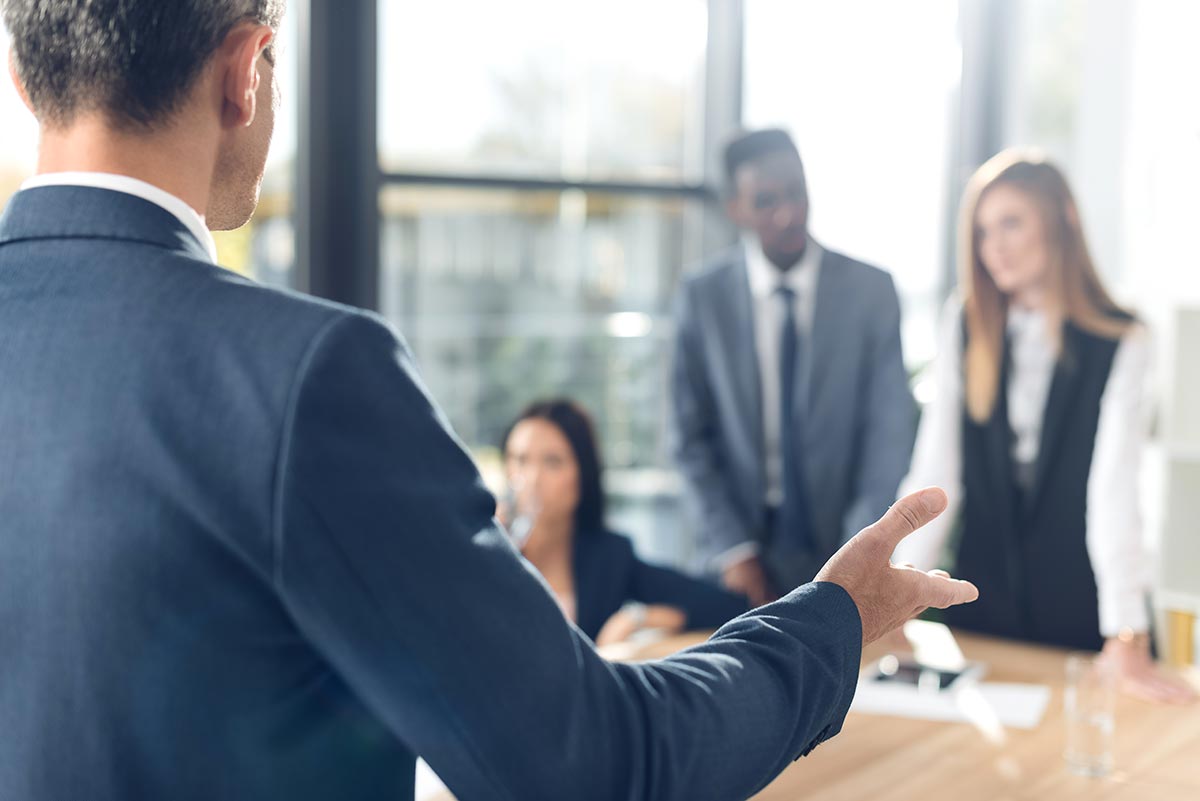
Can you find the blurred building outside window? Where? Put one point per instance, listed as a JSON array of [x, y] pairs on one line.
[[869, 90], [516, 290], [18, 133]]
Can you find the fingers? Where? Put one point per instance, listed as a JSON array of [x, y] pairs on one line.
[[937, 589], [1162, 688], [907, 515], [1158, 689]]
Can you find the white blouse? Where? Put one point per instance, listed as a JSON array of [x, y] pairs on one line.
[[1114, 526]]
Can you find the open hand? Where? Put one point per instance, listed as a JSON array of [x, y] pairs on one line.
[[887, 595], [1140, 677]]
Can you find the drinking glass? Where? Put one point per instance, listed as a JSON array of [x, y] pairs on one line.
[[1090, 703]]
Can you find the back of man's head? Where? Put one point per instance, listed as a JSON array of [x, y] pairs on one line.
[[130, 60]]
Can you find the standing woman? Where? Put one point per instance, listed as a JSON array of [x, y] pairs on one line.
[[1036, 431]]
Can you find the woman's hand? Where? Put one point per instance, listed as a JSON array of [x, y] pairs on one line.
[[1140, 677], [634, 617]]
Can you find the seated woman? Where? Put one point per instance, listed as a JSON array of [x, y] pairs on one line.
[[1035, 430], [554, 469]]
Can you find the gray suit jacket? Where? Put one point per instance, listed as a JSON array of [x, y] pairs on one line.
[[243, 557], [858, 418]]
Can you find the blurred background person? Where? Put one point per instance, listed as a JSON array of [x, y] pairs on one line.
[[1036, 430], [554, 468], [788, 370]]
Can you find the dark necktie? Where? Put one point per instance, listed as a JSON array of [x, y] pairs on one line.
[[792, 530]]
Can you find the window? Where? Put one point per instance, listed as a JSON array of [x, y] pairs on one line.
[[868, 89], [543, 166], [507, 295], [542, 88], [18, 134], [265, 247], [1070, 95]]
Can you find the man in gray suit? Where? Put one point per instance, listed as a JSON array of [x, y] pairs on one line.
[[793, 423], [242, 556]]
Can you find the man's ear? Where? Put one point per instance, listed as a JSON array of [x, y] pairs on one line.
[[239, 75], [16, 80]]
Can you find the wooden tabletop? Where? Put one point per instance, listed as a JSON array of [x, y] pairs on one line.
[[878, 758]]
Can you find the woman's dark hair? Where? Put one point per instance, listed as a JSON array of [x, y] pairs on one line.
[[576, 425]]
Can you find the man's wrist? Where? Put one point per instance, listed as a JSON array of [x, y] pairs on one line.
[[1132, 637]]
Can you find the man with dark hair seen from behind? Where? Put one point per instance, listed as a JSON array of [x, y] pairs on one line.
[[792, 420], [243, 557]]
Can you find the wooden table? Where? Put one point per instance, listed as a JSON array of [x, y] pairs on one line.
[[877, 758]]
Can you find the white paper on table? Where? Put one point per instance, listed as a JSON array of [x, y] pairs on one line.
[[985, 704]]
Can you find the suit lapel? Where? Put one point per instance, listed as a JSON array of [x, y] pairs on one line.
[[734, 312], [820, 347]]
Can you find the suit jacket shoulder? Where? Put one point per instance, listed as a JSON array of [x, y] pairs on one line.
[[860, 273], [714, 273]]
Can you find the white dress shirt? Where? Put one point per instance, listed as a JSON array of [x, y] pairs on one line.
[[765, 278], [1114, 526], [190, 218]]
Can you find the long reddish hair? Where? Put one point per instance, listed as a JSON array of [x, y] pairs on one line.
[[1074, 291]]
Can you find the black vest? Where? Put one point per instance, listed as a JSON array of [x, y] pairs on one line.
[[1027, 551]]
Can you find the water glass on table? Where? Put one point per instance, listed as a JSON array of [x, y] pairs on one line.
[[1090, 712]]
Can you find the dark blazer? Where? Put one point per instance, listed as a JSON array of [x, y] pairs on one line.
[[608, 574], [857, 417], [243, 557], [1027, 551]]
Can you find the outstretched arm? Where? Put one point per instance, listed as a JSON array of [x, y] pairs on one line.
[[392, 566]]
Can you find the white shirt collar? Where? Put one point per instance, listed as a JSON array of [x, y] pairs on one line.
[[1022, 316], [190, 218], [1027, 324], [765, 277]]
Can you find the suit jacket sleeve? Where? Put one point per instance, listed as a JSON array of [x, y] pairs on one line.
[[694, 436], [888, 424], [390, 562]]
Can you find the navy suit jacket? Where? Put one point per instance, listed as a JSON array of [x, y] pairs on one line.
[[857, 418], [608, 574], [243, 557]]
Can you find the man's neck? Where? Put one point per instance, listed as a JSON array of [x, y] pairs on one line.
[[167, 160]]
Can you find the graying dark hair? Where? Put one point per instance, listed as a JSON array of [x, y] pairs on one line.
[[133, 60]]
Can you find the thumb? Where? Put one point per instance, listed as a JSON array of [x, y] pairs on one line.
[[907, 515], [942, 591]]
